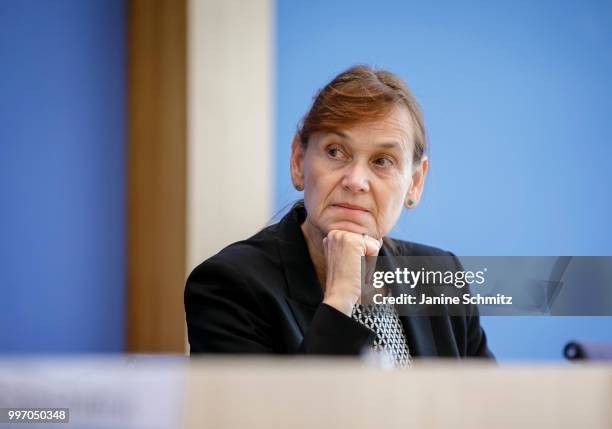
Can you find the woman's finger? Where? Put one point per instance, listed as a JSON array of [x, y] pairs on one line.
[[372, 245]]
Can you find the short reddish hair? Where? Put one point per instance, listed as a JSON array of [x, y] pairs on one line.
[[362, 94]]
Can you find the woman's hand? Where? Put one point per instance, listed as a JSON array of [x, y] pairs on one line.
[[343, 252]]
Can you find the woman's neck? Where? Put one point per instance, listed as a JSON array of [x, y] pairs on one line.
[[314, 241]]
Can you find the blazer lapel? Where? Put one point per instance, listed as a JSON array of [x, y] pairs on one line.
[[304, 289], [418, 329]]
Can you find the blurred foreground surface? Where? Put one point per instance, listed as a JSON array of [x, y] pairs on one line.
[[226, 392]]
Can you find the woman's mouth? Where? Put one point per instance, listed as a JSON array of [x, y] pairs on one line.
[[351, 207]]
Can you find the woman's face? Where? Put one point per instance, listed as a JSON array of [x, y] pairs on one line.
[[358, 179]]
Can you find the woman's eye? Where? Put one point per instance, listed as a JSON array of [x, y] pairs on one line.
[[383, 162], [334, 152]]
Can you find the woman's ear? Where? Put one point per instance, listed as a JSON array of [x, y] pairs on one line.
[[296, 163], [413, 196]]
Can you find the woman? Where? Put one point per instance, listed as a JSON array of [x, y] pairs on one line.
[[294, 287]]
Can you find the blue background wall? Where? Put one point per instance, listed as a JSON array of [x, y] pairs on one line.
[[517, 97], [62, 85]]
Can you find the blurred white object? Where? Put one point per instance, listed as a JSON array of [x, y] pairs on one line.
[[128, 393]]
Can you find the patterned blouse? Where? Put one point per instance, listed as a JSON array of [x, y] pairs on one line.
[[390, 336]]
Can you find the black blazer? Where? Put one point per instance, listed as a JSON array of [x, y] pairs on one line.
[[262, 295]]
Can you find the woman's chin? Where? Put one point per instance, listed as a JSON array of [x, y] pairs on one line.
[[348, 226]]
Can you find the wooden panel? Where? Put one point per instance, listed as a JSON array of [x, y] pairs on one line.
[[156, 175], [234, 392]]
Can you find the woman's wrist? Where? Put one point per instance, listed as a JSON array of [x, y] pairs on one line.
[[343, 305]]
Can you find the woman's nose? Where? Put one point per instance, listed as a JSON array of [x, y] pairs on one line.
[[356, 178]]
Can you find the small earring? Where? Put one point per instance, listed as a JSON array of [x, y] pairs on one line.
[[410, 202], [299, 187]]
